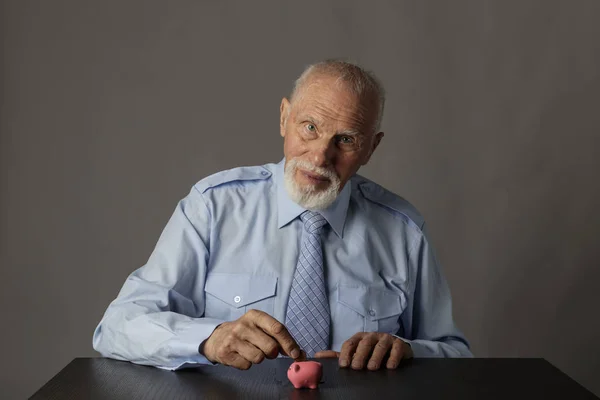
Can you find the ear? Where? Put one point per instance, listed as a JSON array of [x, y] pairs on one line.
[[376, 142], [284, 112]]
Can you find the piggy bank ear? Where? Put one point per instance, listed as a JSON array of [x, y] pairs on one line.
[[296, 368]]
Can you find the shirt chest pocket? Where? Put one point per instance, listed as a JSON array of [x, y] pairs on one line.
[[377, 309], [229, 296]]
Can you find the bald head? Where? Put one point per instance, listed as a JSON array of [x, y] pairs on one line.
[[351, 77]]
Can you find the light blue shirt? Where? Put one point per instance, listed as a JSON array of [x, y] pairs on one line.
[[232, 245]]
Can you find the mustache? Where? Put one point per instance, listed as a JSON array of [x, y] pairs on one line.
[[307, 166]]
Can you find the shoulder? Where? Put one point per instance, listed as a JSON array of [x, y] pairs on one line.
[[388, 201], [236, 176]]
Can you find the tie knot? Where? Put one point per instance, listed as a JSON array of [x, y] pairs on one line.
[[313, 221]]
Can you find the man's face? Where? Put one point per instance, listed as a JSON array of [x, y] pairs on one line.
[[328, 135]]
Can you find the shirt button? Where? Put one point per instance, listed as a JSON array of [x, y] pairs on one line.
[[264, 173], [372, 312], [237, 299]]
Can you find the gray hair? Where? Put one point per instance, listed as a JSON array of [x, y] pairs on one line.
[[358, 80]]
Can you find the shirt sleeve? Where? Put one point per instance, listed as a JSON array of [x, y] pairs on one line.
[[433, 332], [157, 317]]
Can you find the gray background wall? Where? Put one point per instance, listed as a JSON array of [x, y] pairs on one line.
[[112, 110]]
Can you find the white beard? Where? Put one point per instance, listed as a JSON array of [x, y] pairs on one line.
[[308, 196]]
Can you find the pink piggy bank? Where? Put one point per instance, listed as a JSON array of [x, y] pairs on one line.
[[305, 374]]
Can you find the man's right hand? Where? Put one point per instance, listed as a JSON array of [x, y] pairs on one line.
[[248, 340]]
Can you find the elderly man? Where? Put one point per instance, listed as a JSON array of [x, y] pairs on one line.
[[300, 257]]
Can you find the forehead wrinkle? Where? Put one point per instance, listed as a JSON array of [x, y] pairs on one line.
[[320, 82], [305, 115], [325, 113], [339, 108]]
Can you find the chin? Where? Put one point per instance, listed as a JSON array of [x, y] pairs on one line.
[[312, 194], [313, 188]]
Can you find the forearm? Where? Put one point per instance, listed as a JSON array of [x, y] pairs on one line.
[[449, 347], [156, 318], [431, 330], [162, 339]]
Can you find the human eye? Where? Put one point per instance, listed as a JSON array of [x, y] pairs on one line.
[[346, 140], [310, 129]]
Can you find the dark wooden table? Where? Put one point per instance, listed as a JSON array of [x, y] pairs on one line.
[[505, 378]]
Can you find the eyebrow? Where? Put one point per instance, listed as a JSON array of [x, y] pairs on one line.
[[350, 132], [345, 132], [311, 119]]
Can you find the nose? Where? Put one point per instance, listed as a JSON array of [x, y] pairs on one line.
[[322, 153]]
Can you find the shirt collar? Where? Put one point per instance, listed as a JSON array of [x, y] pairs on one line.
[[288, 210]]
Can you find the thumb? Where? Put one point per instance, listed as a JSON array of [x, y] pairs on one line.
[[327, 354]]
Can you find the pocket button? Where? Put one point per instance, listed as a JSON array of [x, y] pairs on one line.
[[372, 312], [237, 299]]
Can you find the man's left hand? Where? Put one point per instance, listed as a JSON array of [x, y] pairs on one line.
[[370, 349]]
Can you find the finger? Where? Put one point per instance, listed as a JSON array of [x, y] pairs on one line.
[[348, 349], [381, 349], [302, 356], [363, 351], [277, 330], [261, 340], [250, 352], [396, 354], [237, 361], [241, 363], [327, 354]]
